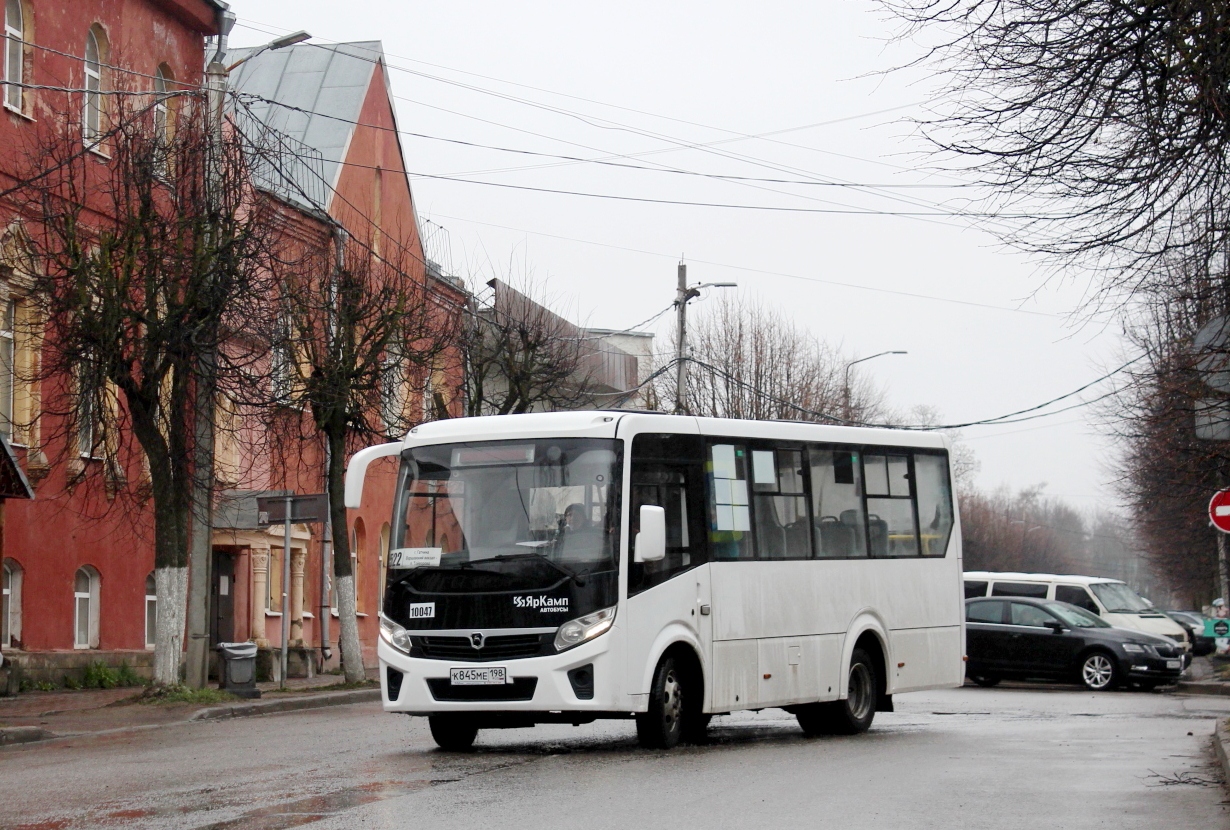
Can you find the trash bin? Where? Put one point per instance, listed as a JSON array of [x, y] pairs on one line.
[[238, 670]]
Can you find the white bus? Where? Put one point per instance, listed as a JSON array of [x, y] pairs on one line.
[[564, 567]]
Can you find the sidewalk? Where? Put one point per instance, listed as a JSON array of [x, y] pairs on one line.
[[36, 716], [1202, 678]]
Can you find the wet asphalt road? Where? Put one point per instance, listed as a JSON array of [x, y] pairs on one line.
[[1020, 757]]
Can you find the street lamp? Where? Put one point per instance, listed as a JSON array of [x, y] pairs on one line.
[[682, 295], [845, 390], [279, 43]]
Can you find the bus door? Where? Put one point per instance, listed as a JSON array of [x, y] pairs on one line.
[[668, 471]]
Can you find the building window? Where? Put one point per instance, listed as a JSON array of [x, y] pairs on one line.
[[92, 117], [85, 600], [151, 610], [8, 371], [6, 600], [14, 54], [273, 599]]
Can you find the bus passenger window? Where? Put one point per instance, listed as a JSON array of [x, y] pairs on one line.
[[934, 502], [838, 521], [729, 511], [780, 505], [890, 510]]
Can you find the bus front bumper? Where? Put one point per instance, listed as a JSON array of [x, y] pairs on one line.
[[548, 684]]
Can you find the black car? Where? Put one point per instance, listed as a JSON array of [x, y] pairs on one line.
[[1040, 639], [1193, 621]]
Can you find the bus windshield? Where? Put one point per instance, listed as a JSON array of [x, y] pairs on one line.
[[537, 510]]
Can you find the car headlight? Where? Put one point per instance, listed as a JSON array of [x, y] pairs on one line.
[[575, 632], [394, 634], [1137, 648]]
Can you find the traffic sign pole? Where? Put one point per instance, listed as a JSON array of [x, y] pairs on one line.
[[1219, 517]]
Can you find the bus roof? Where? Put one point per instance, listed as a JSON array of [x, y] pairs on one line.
[[608, 423]]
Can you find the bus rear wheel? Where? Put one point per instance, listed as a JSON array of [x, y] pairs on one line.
[[851, 715], [452, 732]]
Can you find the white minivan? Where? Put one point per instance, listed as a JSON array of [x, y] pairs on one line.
[[1110, 599]]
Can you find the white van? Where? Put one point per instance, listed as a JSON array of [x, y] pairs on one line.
[[1110, 599]]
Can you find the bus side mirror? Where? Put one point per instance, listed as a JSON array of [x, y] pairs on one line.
[[651, 540], [356, 470]]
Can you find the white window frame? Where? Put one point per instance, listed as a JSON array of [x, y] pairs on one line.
[[8, 365], [150, 599], [90, 595], [6, 632], [92, 131], [14, 38]]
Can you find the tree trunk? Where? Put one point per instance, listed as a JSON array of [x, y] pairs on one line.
[[343, 575], [171, 586]]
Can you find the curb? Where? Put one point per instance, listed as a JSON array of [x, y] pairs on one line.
[[1220, 739], [287, 704], [1203, 687], [23, 735]]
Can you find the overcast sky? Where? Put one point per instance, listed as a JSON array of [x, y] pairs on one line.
[[776, 90]]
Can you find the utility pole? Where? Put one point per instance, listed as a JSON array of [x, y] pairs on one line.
[[200, 552], [682, 295], [681, 344]]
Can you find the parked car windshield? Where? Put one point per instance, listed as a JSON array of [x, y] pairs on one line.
[[1076, 617], [1118, 598]]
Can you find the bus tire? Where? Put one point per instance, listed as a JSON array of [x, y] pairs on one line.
[[814, 719], [453, 733], [661, 727], [855, 713]]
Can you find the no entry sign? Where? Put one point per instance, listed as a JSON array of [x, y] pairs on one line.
[[1219, 510]]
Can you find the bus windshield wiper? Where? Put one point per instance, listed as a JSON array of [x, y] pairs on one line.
[[566, 571]]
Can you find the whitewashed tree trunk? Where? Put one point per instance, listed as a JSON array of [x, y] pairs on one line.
[[352, 652], [171, 588]]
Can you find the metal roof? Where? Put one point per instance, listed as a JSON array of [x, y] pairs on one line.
[[326, 85]]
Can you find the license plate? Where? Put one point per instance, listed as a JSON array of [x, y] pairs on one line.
[[1174, 664], [486, 676]]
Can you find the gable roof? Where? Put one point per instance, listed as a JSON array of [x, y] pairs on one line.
[[326, 85]]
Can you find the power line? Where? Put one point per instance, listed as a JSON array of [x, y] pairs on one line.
[[680, 144], [766, 272], [598, 161], [1009, 418]]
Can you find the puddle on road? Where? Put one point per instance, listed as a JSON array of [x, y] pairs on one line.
[[315, 808]]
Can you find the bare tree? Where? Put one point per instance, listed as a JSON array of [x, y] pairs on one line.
[[519, 355], [749, 361], [357, 332], [139, 266], [1104, 124]]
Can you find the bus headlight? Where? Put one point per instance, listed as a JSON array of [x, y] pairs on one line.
[[394, 634], [577, 631]]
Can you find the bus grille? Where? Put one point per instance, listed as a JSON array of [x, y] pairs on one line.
[[522, 688], [506, 647]]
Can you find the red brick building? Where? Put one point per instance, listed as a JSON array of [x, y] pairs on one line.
[[77, 575]]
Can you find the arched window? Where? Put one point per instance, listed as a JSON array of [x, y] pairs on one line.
[[151, 610], [14, 54], [358, 542], [92, 117], [85, 600], [10, 609]]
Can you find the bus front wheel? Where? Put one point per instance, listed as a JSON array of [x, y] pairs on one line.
[[662, 726], [452, 732]]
